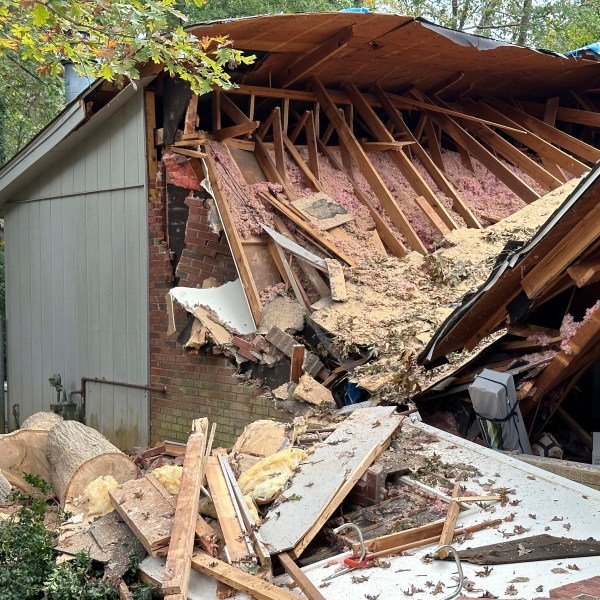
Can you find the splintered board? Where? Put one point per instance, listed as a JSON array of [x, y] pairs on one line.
[[325, 479]]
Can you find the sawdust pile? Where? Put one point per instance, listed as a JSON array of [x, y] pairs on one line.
[[395, 305]]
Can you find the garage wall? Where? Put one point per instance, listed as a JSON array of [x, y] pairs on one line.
[[77, 280]]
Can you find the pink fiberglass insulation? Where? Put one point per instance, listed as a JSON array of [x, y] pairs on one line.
[[179, 171], [483, 192], [245, 206], [569, 327]]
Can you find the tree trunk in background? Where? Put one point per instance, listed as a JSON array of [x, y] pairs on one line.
[[525, 22]]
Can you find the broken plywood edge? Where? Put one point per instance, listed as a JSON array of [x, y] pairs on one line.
[[335, 466], [337, 281]]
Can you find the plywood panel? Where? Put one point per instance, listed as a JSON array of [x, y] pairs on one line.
[[323, 473]]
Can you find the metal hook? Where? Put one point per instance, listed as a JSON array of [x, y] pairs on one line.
[[461, 577], [363, 550]]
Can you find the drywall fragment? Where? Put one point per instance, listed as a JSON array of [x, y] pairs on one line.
[[311, 391], [281, 312], [337, 281], [323, 210]]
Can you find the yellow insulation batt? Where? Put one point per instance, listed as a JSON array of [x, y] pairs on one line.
[[170, 477], [268, 477], [96, 495]]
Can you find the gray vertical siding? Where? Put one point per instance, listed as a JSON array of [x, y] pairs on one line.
[[77, 280]]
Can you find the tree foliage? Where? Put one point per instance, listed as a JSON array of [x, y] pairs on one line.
[[111, 38]]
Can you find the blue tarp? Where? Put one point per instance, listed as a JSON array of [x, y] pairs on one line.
[[592, 48]]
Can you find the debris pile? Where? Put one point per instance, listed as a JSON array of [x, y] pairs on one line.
[[294, 509]]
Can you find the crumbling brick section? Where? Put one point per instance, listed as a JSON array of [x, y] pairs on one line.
[[203, 385]]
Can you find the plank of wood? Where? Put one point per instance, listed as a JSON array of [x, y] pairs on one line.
[[384, 146], [526, 330], [565, 252], [278, 145], [309, 269], [589, 118], [296, 363], [311, 145], [307, 63], [315, 235], [238, 579], [585, 272], [450, 523], [337, 281], [300, 579], [237, 549], [430, 213], [385, 197], [394, 245], [299, 291], [550, 110], [235, 242], [186, 152], [331, 471], [550, 155], [310, 177], [513, 155], [191, 116], [578, 148], [181, 546], [235, 130], [459, 205], [147, 513], [299, 127], [151, 155], [480, 152], [403, 163], [192, 142]]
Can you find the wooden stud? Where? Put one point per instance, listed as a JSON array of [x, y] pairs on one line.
[[285, 115], [584, 101], [233, 535], [265, 125], [278, 145], [473, 147], [565, 141], [312, 181], [550, 110], [291, 278], [430, 213], [186, 152], [299, 126], [279, 263], [344, 153], [563, 254], [459, 205], [151, 156], [585, 272], [552, 157], [315, 235], [587, 117], [300, 579], [235, 130], [297, 362], [309, 62], [450, 523], [181, 546], [393, 244], [238, 579], [252, 107], [513, 155], [328, 133], [311, 144], [373, 178], [309, 270], [234, 240], [433, 143], [191, 116], [403, 163]]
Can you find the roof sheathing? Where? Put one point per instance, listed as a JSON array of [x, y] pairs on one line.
[[396, 52]]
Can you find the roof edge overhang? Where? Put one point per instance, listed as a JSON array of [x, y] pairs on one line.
[[428, 356]]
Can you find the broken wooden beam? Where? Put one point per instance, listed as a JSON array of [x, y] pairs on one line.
[[337, 281], [300, 579], [181, 545], [449, 524]]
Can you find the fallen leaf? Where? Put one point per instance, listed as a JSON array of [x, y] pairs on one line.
[[519, 580], [559, 570]]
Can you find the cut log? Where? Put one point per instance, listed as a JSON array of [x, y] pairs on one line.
[[78, 454], [5, 487], [42, 421], [24, 451]]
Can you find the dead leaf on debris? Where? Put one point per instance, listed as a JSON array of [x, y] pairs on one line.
[[547, 528], [522, 550], [573, 567], [539, 588], [510, 517], [519, 580], [511, 590], [412, 590], [532, 516], [372, 596], [360, 578], [487, 594], [559, 570], [325, 584], [439, 589], [557, 519], [515, 502], [382, 564], [567, 526], [485, 572], [519, 529]]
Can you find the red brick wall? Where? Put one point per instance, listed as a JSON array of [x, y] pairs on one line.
[[203, 385]]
